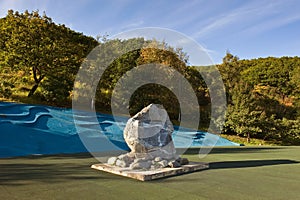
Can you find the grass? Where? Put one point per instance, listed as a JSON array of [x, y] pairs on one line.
[[234, 173], [21, 97], [253, 141]]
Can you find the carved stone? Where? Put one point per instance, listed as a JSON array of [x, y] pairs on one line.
[[149, 136]]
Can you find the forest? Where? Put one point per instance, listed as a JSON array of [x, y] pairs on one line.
[[39, 61]]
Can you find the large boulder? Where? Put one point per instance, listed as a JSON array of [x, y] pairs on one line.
[[149, 136], [150, 130]]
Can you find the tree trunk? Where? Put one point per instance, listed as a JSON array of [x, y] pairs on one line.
[[248, 137], [37, 80], [33, 89]]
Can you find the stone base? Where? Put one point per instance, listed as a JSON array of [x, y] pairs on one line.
[[148, 175]]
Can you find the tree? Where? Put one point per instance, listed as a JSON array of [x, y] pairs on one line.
[[43, 50], [290, 131], [242, 118], [271, 72], [122, 56], [119, 63], [263, 97], [160, 53], [230, 70]]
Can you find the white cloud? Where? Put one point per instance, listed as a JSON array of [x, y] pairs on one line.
[[248, 15], [272, 23], [133, 24]]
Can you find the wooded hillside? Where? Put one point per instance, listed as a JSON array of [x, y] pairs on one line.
[[39, 61], [263, 97]]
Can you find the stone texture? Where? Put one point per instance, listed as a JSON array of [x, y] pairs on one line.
[[163, 163], [112, 160], [150, 130], [121, 163], [147, 175], [149, 136], [140, 164], [183, 161], [157, 159], [174, 164]]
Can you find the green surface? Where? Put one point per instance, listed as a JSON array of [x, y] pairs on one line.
[[235, 173]]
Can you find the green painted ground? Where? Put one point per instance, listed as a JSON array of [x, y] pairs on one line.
[[235, 173]]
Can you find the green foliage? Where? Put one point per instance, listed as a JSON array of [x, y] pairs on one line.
[[289, 131], [272, 72], [41, 59], [6, 89], [252, 142], [263, 97], [230, 71], [242, 116], [152, 93], [47, 53], [149, 52], [109, 52]]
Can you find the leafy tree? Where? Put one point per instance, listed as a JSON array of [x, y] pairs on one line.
[[47, 52], [290, 131], [271, 72], [262, 97], [230, 70], [295, 80], [120, 63], [242, 118], [160, 53]]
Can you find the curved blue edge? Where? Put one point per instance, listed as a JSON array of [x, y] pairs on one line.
[[39, 130]]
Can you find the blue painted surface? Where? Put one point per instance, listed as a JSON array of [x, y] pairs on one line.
[[32, 129]]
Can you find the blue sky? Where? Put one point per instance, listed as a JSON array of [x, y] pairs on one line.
[[248, 29]]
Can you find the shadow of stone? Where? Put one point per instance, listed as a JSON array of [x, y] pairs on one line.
[[248, 163], [231, 165], [224, 150]]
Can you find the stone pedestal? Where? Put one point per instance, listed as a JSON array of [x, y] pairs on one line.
[[149, 175], [153, 155]]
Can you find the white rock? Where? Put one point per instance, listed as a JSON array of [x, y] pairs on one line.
[[150, 130], [149, 136], [142, 164], [163, 163], [112, 161], [157, 159], [120, 163]]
